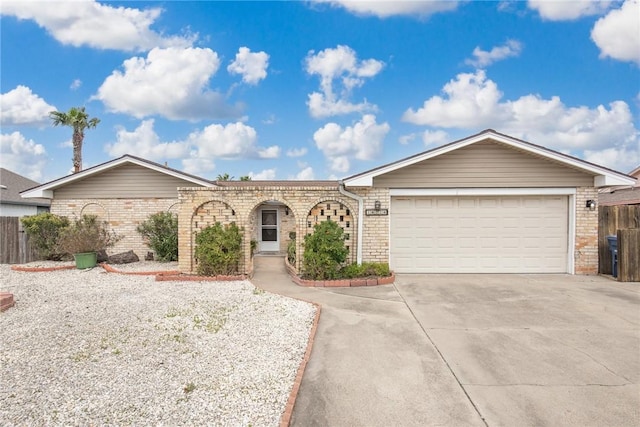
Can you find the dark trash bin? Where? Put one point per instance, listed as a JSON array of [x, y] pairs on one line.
[[613, 248]]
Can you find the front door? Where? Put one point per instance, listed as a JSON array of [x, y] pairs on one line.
[[269, 240]]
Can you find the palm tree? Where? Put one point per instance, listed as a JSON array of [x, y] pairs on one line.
[[224, 177], [79, 120], [245, 178]]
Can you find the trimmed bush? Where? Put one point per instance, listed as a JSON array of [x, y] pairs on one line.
[[43, 231], [324, 251], [366, 269], [160, 231], [219, 250]]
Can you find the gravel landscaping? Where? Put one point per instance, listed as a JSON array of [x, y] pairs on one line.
[[87, 347]]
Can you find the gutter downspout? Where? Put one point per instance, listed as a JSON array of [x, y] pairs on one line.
[[360, 200]]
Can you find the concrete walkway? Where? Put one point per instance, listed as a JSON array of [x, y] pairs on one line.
[[457, 350]]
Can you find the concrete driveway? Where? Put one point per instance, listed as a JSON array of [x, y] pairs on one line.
[[452, 350]]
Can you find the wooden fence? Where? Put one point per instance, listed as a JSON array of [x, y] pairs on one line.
[[629, 255], [14, 242], [610, 220]]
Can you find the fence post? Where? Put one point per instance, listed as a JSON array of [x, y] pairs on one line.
[[629, 255]]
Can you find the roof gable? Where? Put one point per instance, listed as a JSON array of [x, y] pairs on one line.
[[601, 176], [46, 190]]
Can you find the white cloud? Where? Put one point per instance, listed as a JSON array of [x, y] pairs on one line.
[[362, 141], [386, 8], [305, 174], [483, 58], [145, 142], [339, 64], [89, 23], [435, 137], [22, 156], [568, 10], [618, 33], [75, 84], [170, 82], [198, 166], [471, 101], [296, 152], [621, 158], [251, 65], [20, 106], [232, 141], [272, 152], [406, 139], [265, 175]]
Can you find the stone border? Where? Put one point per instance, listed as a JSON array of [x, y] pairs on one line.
[[343, 283]]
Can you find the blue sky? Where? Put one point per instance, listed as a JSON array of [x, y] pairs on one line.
[[315, 89]]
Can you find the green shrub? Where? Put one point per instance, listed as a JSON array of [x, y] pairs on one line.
[[366, 269], [324, 251], [219, 249], [86, 234], [43, 231], [160, 231]]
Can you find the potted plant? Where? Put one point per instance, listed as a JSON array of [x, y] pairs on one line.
[[84, 237]]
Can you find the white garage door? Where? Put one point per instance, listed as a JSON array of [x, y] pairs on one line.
[[503, 234]]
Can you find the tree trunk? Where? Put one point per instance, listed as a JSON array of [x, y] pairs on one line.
[[77, 150]]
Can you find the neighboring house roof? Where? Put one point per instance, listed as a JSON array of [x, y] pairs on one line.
[[602, 176], [622, 195], [46, 190], [625, 196], [11, 184]]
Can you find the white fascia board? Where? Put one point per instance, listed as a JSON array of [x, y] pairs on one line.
[[37, 193], [482, 191], [608, 180]]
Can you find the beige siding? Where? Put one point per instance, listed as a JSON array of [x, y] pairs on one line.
[[123, 182], [486, 164]]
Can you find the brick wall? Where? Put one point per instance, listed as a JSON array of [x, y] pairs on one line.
[[586, 247], [245, 201], [375, 233], [123, 215]]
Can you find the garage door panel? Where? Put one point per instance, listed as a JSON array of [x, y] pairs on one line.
[[510, 234]]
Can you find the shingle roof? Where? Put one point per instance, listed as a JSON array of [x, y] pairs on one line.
[[12, 184]]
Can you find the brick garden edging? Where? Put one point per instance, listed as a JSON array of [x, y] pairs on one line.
[[285, 419], [343, 283], [161, 276], [41, 269], [6, 301]]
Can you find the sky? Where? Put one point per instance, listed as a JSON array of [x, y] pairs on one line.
[[319, 89]]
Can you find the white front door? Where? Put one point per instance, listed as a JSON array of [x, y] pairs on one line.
[[269, 232]]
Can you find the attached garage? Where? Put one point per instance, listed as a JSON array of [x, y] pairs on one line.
[[488, 203], [479, 234]]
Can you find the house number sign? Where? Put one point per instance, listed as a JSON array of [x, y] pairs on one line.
[[376, 212]]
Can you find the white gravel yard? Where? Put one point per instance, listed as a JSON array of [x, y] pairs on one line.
[[87, 347]]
